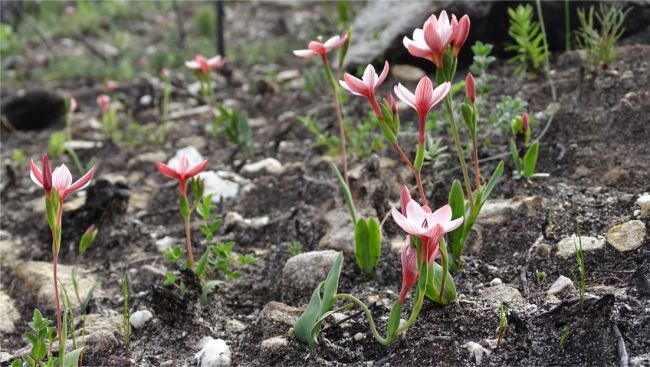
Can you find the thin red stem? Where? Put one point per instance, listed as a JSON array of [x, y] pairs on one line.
[[418, 178], [55, 252], [339, 115]]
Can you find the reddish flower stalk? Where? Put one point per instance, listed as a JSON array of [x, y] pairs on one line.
[[59, 181], [182, 174], [322, 48]]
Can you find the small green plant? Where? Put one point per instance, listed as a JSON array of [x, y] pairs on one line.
[[482, 61], [56, 144], [540, 275], [362, 141], [503, 323], [524, 154], [206, 22], [528, 41], [126, 325], [599, 43], [580, 264], [233, 125], [295, 248], [41, 338], [506, 110], [435, 155], [566, 331], [367, 244], [19, 157], [323, 140], [214, 266]]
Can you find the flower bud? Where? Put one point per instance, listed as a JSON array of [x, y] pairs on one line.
[[391, 102], [524, 119], [47, 174], [470, 88]]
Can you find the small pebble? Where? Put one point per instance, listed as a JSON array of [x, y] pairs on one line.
[[359, 336], [139, 318], [496, 281]]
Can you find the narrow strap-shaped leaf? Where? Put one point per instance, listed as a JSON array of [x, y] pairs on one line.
[[494, 179], [457, 203], [393, 321], [347, 195], [530, 159], [433, 286]]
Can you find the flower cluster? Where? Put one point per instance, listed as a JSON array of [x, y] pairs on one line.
[[432, 40]]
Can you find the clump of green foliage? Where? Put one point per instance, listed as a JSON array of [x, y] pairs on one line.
[[527, 41], [482, 61], [214, 266], [233, 125], [599, 41]]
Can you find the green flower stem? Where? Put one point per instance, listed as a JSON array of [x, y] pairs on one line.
[[445, 265], [56, 245], [366, 311], [459, 149], [339, 115], [188, 241], [477, 173]]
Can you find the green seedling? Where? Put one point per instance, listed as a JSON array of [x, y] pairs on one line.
[[503, 323], [599, 42], [580, 263], [295, 248], [126, 325], [540, 275], [566, 331], [527, 41]]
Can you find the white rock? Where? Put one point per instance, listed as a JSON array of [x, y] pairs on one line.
[[559, 285], [196, 141], [627, 236], [359, 336], [166, 243], [235, 219], [139, 318], [37, 277], [644, 202], [215, 352], [477, 351], [9, 250], [407, 72], [305, 271], [497, 211], [268, 165], [567, 246], [498, 293], [9, 315], [340, 231], [223, 184], [274, 344], [235, 326], [192, 154], [149, 157], [495, 282]]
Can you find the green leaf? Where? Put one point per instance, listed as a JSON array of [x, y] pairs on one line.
[[457, 203], [347, 195], [494, 179], [308, 325], [200, 265], [185, 207], [38, 350], [515, 157], [419, 157], [393, 321], [367, 244], [207, 288], [530, 159], [433, 286], [86, 240], [72, 359], [86, 300]]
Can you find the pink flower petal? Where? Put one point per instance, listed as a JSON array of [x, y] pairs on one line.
[[80, 183], [356, 85], [196, 169], [370, 77], [383, 75], [305, 53], [332, 42], [424, 96], [405, 198], [415, 213], [442, 215], [404, 95], [182, 166], [167, 171], [407, 225], [61, 178], [192, 65], [450, 226], [440, 93], [35, 173]]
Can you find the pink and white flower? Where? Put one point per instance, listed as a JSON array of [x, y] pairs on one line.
[[60, 178], [202, 64], [367, 84], [183, 171], [424, 99], [111, 85], [461, 30], [103, 101], [322, 48], [431, 41], [73, 105]]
